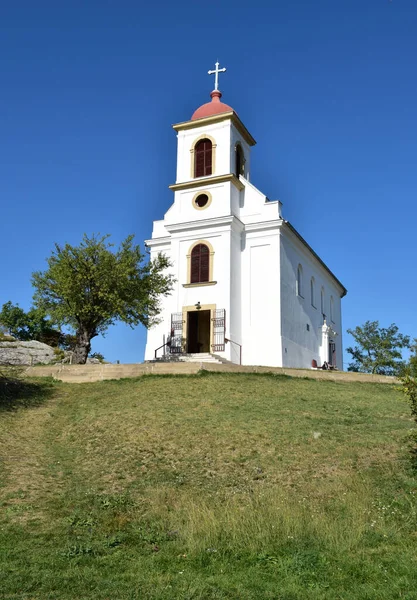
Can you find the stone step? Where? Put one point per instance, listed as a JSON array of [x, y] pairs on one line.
[[205, 357]]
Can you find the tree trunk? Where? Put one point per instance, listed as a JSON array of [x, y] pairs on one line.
[[82, 347]]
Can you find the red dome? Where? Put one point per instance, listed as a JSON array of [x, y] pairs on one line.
[[215, 107]]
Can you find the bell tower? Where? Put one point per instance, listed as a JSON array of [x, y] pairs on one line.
[[213, 150]]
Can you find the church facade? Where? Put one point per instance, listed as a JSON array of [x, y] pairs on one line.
[[248, 287]]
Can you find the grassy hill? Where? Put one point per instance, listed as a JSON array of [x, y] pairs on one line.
[[207, 487]]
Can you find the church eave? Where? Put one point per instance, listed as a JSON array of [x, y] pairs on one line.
[[227, 221], [164, 241], [323, 264], [263, 225], [204, 181], [217, 119]]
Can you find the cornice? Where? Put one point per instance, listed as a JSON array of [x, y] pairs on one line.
[[263, 225], [163, 241], [201, 224], [217, 119], [205, 181]]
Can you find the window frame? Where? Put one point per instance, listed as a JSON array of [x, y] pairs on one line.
[[207, 164], [201, 193], [204, 136], [313, 292], [299, 281], [200, 261], [239, 160], [332, 309], [210, 265]]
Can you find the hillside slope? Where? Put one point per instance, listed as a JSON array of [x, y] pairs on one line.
[[208, 486]]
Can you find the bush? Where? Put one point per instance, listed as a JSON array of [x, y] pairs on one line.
[[6, 338], [98, 356]]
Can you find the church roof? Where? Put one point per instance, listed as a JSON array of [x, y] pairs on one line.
[[323, 264], [215, 107]]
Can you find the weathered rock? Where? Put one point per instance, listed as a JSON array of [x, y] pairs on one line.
[[26, 353]]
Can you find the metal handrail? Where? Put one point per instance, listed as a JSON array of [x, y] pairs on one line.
[[163, 346], [240, 348]]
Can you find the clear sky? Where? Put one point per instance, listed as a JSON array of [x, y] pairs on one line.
[[89, 90]]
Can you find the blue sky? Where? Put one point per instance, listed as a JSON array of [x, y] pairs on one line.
[[328, 89]]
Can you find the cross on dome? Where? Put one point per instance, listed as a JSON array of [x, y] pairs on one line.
[[215, 107], [216, 72]]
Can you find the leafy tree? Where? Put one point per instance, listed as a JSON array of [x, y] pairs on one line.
[[411, 367], [31, 325], [98, 355], [378, 349], [89, 287], [409, 388]]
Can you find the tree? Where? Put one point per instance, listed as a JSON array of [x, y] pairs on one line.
[[31, 325], [89, 287], [409, 388], [378, 349], [411, 367]]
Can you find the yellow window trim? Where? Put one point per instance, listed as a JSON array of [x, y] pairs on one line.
[[211, 260], [204, 136], [203, 283], [207, 193]]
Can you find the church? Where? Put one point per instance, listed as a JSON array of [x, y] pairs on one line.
[[248, 288]]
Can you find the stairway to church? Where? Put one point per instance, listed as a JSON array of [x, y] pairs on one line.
[[200, 357]]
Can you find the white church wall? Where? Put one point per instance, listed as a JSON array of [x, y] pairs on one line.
[[158, 230], [235, 200], [253, 200], [184, 208], [261, 299], [234, 319], [301, 321], [221, 134]]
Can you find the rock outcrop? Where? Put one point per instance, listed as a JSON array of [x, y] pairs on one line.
[[26, 353]]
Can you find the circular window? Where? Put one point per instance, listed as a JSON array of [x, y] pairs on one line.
[[201, 201]]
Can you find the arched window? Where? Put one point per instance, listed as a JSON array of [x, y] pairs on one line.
[[322, 303], [312, 292], [200, 264], [240, 161], [203, 159], [300, 281], [331, 309]]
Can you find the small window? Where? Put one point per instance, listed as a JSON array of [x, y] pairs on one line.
[[201, 201], [300, 281], [203, 158], [200, 264], [331, 309], [312, 293], [240, 161], [322, 302]]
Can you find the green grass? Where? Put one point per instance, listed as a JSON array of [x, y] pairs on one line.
[[208, 487]]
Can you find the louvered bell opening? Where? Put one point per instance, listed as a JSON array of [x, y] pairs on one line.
[[208, 160], [203, 158]]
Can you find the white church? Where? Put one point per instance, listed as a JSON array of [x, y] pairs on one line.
[[248, 287]]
